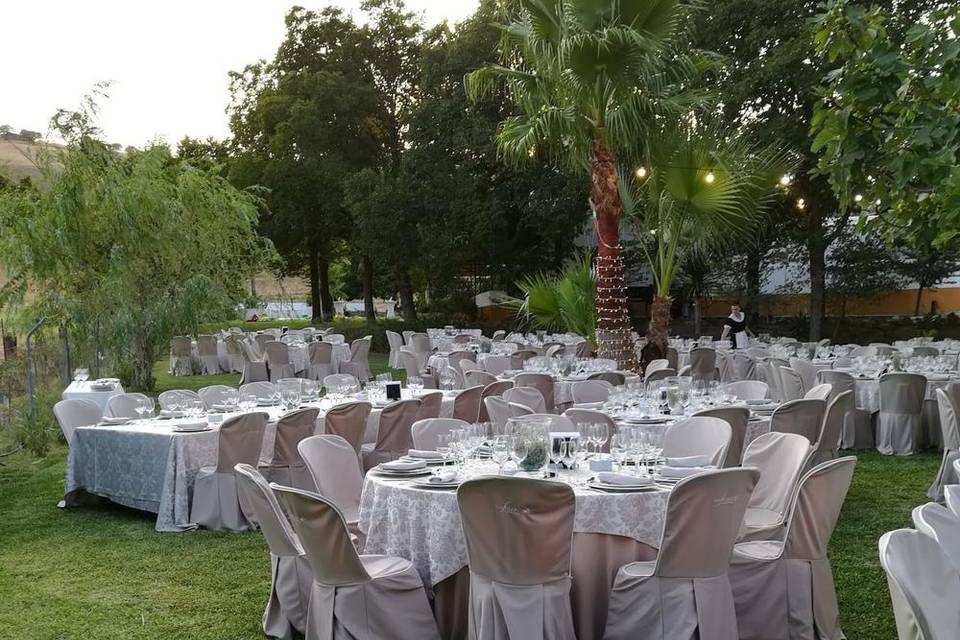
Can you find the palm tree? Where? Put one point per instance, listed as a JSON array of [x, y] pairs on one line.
[[588, 77], [699, 187]]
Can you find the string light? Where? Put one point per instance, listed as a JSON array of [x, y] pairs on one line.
[[709, 178], [857, 198], [801, 203], [641, 172], [532, 151], [785, 179]]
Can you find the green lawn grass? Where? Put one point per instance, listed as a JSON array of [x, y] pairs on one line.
[[103, 572]]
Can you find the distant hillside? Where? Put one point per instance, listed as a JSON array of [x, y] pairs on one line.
[[19, 153]]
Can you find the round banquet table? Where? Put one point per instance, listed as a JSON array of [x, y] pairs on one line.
[[423, 525]]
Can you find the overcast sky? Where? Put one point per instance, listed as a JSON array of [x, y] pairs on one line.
[[167, 61]]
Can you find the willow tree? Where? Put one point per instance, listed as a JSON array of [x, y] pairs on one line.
[[696, 188], [588, 77]]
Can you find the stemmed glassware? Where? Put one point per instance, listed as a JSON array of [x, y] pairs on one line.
[[144, 407], [619, 448], [518, 448], [443, 445], [501, 452], [81, 375], [415, 384]]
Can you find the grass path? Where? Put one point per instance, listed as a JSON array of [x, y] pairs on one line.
[[100, 573]]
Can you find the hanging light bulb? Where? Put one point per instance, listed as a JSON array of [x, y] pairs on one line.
[[785, 180], [801, 203], [709, 178], [641, 172]]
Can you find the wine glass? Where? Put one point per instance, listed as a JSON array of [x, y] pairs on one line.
[[571, 451], [143, 407], [501, 452], [603, 436], [558, 450], [415, 384], [618, 448], [518, 448], [443, 446]]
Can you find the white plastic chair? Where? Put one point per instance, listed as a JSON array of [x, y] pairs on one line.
[[75, 413]]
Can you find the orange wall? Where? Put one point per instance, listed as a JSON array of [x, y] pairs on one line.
[[892, 303]]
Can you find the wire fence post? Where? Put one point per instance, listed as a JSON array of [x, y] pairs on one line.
[[31, 375]]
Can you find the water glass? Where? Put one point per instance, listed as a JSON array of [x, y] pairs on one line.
[[415, 384]]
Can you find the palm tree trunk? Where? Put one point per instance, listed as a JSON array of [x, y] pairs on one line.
[[659, 328], [613, 321]]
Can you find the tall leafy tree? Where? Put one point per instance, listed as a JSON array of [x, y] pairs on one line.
[[588, 76]]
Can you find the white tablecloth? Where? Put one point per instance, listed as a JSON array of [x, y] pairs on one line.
[[423, 525], [82, 391], [148, 466], [867, 391]]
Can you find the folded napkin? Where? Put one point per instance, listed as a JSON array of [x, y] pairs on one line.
[[109, 420], [404, 465], [192, 424], [688, 461], [443, 477], [224, 407], [167, 413], [424, 455], [623, 479], [682, 472]]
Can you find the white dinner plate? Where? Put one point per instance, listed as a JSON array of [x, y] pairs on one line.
[[620, 488], [403, 474], [652, 420], [431, 462], [179, 429], [424, 483]]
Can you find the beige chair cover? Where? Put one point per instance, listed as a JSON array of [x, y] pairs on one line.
[[254, 367], [951, 493], [174, 395], [924, 586], [590, 391], [359, 363], [349, 421], [478, 377], [466, 406], [725, 372], [286, 467], [75, 413], [541, 382], [660, 374], [335, 469], [234, 353], [527, 396], [901, 413], [321, 360], [673, 358], [181, 356], [857, 430], [831, 431], [498, 410], [207, 353], [738, 418], [781, 459], [278, 360], [427, 432], [592, 416], [684, 594], [410, 363], [395, 340], [215, 394], [703, 363], [698, 436], [355, 597], [456, 356], [808, 372], [803, 417], [264, 391], [784, 590], [821, 391], [655, 365], [743, 365], [517, 358], [615, 378], [430, 405], [216, 503], [290, 574], [469, 365], [496, 365], [518, 533], [454, 375], [791, 384], [948, 404], [393, 434], [261, 340], [749, 389], [938, 522], [342, 379], [494, 389], [125, 405]]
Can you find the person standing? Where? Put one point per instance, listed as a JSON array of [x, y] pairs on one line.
[[735, 326]]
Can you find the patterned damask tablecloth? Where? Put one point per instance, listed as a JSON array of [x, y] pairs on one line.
[[424, 525]]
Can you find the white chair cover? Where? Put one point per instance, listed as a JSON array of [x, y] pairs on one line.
[[541, 382], [739, 419], [411, 364], [215, 394], [335, 338], [519, 535], [924, 586], [948, 404], [781, 458], [264, 391], [427, 432], [340, 379], [349, 421], [75, 413], [808, 373], [749, 389], [901, 413], [290, 574], [466, 406], [590, 391], [286, 466], [395, 340], [857, 430], [703, 363], [938, 522], [278, 360], [684, 594], [335, 469], [831, 431], [430, 405], [359, 364], [477, 377], [517, 358], [655, 365], [660, 374], [355, 597], [493, 389], [500, 410], [819, 392], [321, 360], [207, 353], [234, 353], [125, 405], [177, 395], [613, 378], [698, 436], [527, 396], [216, 502], [803, 417], [743, 366], [254, 367], [393, 434], [592, 416], [784, 590], [791, 384], [496, 365], [181, 356]]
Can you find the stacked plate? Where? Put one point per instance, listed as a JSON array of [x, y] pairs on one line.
[[107, 420], [190, 426], [403, 473], [435, 482], [642, 484], [634, 419]]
